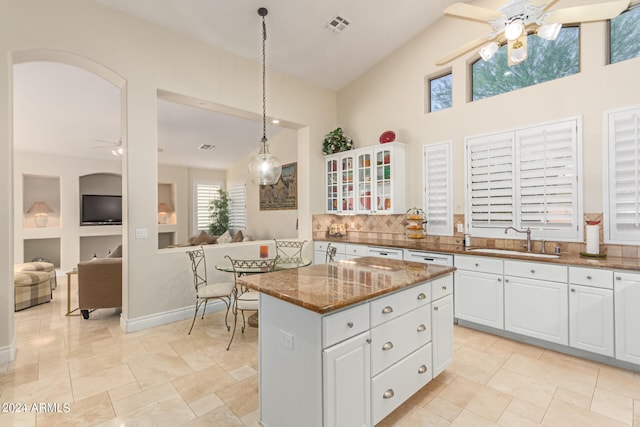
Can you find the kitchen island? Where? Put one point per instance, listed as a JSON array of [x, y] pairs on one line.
[[345, 343]]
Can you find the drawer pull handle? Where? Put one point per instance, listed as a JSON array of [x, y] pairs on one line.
[[368, 340], [421, 296], [573, 289], [499, 279], [435, 307], [387, 346], [422, 328], [588, 277], [618, 278], [387, 310], [388, 394], [533, 271], [422, 369], [350, 324]]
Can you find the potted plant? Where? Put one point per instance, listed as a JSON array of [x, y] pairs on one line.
[[219, 210], [336, 141]]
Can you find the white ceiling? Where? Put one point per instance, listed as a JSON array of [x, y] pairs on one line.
[[64, 110]]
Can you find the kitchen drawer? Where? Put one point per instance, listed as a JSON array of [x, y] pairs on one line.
[[344, 324], [442, 287], [427, 257], [356, 250], [391, 388], [395, 339], [391, 253], [322, 246], [399, 303], [536, 270], [595, 277], [476, 263]]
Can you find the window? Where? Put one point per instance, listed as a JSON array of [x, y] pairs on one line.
[[437, 188], [547, 60], [527, 178], [624, 36], [238, 207], [622, 171], [204, 193], [440, 93]]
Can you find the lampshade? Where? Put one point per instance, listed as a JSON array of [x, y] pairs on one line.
[[517, 50], [549, 31], [514, 29], [489, 50], [264, 168], [40, 208], [165, 208]]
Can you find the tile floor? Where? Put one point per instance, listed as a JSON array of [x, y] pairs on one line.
[[162, 377]]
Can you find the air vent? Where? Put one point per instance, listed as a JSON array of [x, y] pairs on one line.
[[207, 147], [337, 24]]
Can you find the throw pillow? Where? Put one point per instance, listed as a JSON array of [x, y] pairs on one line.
[[116, 253], [237, 237], [201, 239], [225, 238]]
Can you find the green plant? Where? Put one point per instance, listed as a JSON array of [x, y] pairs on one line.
[[336, 141], [219, 214]]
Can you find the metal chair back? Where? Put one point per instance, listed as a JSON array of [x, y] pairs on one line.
[[289, 251], [331, 253], [198, 267]]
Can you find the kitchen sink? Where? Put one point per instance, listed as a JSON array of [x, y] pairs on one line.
[[510, 252]]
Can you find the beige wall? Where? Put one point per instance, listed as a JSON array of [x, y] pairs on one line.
[[391, 96], [141, 59]]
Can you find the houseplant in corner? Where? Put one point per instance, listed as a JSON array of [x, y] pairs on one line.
[[336, 141], [219, 214]]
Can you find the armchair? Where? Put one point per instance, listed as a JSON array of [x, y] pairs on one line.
[[99, 284]]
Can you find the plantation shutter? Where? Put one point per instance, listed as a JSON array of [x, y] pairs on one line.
[[437, 187], [490, 184], [547, 194], [238, 207], [622, 221], [205, 193]]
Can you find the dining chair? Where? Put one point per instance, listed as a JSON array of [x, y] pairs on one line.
[[206, 291], [245, 299], [289, 251], [331, 253]]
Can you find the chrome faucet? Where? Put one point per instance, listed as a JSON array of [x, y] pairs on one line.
[[527, 231]]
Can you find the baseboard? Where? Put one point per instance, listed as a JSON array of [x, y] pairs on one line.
[[163, 318], [8, 352]]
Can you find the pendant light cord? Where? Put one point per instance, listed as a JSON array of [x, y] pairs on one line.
[[264, 79]]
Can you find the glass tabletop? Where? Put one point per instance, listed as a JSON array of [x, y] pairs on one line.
[[281, 264]]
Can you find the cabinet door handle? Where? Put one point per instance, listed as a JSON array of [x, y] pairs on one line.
[[387, 346], [618, 278], [573, 289], [421, 296], [533, 271], [387, 310], [477, 265], [388, 394], [350, 324], [422, 369], [588, 277], [444, 288], [499, 279], [368, 340], [421, 328], [435, 307], [506, 280]]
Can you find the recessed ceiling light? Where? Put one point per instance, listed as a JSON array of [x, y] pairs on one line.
[[275, 121], [206, 147]]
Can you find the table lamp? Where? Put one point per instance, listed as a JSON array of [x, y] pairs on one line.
[[40, 211], [164, 209]]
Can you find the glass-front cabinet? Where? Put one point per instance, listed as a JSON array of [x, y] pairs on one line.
[[367, 180], [340, 182]]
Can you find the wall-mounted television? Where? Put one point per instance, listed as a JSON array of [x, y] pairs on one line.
[[101, 210]]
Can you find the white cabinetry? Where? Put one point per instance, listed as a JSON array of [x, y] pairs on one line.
[[479, 290], [367, 180], [441, 324], [591, 310], [535, 300], [391, 253], [627, 303], [320, 251]]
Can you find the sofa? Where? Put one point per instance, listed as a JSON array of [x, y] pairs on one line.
[[100, 284]]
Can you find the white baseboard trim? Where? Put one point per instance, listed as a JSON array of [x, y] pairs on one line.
[[163, 318], [8, 352]]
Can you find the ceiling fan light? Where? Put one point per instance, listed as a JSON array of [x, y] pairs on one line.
[[518, 52], [489, 50], [514, 29], [549, 31]]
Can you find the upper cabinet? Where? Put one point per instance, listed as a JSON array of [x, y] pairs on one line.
[[367, 180]]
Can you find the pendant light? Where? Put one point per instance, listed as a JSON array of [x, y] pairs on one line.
[[264, 168]]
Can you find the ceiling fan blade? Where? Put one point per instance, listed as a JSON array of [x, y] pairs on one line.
[[588, 13], [469, 11], [462, 50]]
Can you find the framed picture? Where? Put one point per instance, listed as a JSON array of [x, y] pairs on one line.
[[284, 194]]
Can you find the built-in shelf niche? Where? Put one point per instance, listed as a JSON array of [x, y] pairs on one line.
[[167, 203], [106, 184], [48, 249], [100, 246], [44, 190]]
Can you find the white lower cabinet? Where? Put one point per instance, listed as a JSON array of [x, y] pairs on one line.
[[479, 298], [347, 382], [627, 316], [442, 333]]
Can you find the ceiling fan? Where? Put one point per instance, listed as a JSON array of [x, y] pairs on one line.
[[512, 21], [114, 146]]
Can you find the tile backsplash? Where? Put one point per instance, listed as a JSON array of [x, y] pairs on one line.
[[391, 227]]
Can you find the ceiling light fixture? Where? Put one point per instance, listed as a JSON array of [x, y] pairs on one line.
[[489, 50], [264, 168], [549, 31], [513, 29]]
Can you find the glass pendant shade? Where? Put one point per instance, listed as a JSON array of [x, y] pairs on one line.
[[489, 50], [514, 29], [549, 31], [518, 52], [265, 169]]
